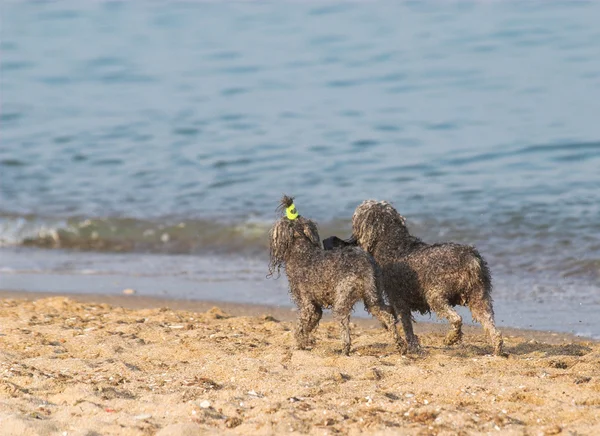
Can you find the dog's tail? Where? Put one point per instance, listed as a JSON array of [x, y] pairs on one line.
[[480, 267], [478, 284]]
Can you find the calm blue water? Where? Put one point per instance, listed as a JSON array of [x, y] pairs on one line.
[[147, 145]]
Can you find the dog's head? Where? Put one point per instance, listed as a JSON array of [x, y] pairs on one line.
[[335, 242], [374, 221], [287, 231]]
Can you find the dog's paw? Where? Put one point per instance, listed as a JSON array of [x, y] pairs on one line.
[[500, 352], [402, 346], [414, 348], [414, 345], [302, 345], [453, 338]]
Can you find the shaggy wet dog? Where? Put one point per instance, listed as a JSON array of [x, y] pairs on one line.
[[424, 277], [325, 279]]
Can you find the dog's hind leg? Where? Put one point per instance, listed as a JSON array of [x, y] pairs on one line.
[[482, 311], [346, 296], [385, 315], [443, 309], [407, 325], [310, 315]]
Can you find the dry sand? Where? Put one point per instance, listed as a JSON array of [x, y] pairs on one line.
[[78, 368]]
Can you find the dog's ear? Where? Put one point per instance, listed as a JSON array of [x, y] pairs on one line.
[[311, 232]]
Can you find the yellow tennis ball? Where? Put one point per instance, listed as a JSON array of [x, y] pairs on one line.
[[291, 212]]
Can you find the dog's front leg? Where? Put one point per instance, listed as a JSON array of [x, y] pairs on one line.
[[310, 315], [344, 320]]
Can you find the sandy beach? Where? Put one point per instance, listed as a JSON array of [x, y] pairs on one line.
[[69, 366]]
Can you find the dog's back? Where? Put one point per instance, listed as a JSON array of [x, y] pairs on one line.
[[446, 271], [329, 268]]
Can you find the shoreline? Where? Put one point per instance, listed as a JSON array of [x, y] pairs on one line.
[[282, 313], [204, 278]]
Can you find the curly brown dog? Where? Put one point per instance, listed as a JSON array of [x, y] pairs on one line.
[[326, 279], [424, 277]]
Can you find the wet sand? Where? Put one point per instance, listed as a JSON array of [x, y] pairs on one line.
[[90, 365]]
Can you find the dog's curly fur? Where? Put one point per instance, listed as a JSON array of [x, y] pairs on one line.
[[425, 277], [326, 279]]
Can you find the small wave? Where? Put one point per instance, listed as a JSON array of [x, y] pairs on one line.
[[520, 250], [249, 236]]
